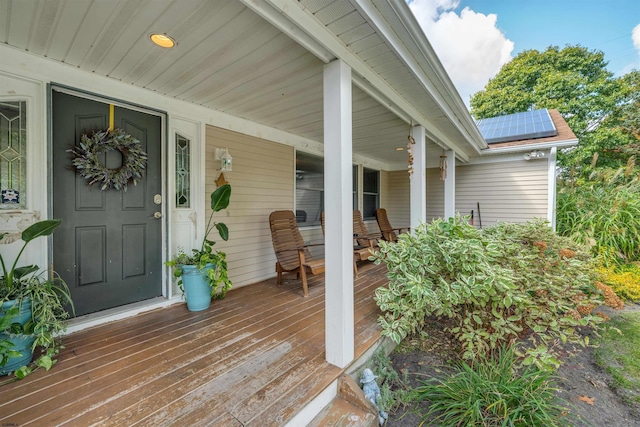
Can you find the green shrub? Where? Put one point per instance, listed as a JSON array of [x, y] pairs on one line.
[[490, 392], [497, 285], [603, 211]]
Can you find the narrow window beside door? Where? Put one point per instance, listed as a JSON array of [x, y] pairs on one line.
[[13, 154], [183, 172]]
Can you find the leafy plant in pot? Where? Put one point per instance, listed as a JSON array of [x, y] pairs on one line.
[[33, 310], [203, 275]]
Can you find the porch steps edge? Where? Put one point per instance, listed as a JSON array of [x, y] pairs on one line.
[[349, 408], [337, 410]]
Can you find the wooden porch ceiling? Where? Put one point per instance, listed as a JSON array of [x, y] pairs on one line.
[[253, 359]]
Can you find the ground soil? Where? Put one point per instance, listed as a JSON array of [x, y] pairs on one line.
[[585, 388]]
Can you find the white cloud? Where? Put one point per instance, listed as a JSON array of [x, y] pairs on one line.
[[635, 37], [470, 45]]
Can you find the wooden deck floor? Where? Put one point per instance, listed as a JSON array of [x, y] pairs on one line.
[[252, 359]]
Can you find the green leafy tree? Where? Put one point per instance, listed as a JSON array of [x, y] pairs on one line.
[[602, 110]]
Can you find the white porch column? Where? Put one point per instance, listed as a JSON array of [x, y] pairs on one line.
[[418, 191], [450, 185], [551, 183], [339, 317]]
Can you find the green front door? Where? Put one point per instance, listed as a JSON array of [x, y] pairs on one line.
[[109, 246]]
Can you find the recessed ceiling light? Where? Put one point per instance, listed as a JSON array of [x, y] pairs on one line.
[[399, 148], [163, 40]]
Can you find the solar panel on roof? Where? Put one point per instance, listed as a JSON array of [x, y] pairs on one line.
[[518, 126]]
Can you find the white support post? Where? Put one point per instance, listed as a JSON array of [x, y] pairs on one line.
[[418, 191], [551, 184], [339, 316], [450, 185]]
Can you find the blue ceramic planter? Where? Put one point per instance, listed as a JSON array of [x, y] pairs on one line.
[[196, 288], [21, 343]]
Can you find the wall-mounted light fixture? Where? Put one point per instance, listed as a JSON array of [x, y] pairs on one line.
[[535, 154], [226, 161]]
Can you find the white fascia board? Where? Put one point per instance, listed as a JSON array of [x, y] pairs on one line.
[[415, 35], [529, 147], [298, 15]]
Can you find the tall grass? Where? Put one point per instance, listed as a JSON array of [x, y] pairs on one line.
[[491, 393], [603, 211]]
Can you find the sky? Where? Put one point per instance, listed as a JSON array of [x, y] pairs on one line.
[[474, 38]]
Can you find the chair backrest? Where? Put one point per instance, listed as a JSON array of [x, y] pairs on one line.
[[385, 226], [359, 228], [286, 239]]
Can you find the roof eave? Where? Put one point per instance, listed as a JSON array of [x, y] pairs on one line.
[[415, 35], [529, 147]]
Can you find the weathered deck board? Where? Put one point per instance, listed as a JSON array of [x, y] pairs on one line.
[[254, 358]]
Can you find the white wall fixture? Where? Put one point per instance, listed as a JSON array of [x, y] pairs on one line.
[[535, 154], [226, 161]]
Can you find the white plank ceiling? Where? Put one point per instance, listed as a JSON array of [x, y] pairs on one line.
[[230, 59]]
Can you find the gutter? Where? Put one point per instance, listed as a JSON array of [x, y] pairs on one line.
[[529, 147]]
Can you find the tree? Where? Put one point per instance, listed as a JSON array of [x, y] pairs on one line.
[[600, 109]]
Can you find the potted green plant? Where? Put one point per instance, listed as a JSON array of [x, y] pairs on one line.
[[203, 275], [33, 310]]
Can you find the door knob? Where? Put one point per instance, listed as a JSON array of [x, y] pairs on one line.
[[157, 215]]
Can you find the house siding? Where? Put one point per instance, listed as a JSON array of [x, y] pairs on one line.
[[435, 195], [261, 182], [514, 191], [397, 200]]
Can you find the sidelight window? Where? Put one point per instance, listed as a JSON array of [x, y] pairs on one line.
[[13, 154]]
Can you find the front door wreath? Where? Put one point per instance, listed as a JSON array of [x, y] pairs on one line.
[[87, 164]]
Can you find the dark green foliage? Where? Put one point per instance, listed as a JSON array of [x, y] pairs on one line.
[[492, 392], [50, 298], [603, 211], [602, 110], [218, 276]]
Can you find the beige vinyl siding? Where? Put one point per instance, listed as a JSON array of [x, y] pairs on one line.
[[397, 201], [261, 182], [435, 195], [507, 191]]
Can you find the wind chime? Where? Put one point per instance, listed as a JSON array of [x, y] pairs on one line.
[[443, 167], [410, 145]]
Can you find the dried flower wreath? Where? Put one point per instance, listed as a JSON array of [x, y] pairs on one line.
[[87, 164]]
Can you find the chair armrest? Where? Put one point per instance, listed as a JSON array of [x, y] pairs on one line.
[[301, 247], [372, 238], [313, 244], [400, 229]]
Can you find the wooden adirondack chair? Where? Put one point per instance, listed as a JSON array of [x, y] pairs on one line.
[[292, 254], [388, 232], [363, 242]]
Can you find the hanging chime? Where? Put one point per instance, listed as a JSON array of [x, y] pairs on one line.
[[443, 167], [410, 149]]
